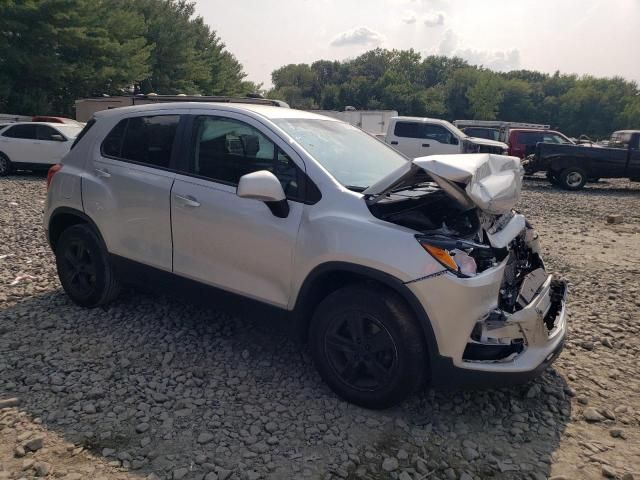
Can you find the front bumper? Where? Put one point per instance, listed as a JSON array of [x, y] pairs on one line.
[[455, 306]]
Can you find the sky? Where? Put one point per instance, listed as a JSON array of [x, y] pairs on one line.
[[597, 37]]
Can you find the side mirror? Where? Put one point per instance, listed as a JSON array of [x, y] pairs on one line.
[[57, 137], [264, 186]]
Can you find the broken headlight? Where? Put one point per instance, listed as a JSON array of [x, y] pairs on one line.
[[461, 257]]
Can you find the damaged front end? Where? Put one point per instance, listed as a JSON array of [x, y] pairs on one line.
[[496, 308], [529, 305]]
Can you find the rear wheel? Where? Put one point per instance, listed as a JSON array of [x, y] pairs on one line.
[[367, 346], [5, 165], [572, 178], [84, 268]]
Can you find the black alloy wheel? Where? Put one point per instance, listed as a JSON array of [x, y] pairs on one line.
[[361, 351]]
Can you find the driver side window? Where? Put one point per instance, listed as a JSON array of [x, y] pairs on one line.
[[225, 149], [437, 133]]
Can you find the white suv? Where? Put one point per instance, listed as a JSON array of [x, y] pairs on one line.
[[395, 271]]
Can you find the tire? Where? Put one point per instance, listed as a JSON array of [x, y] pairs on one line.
[[5, 165], [553, 178], [572, 178], [367, 346], [84, 269]]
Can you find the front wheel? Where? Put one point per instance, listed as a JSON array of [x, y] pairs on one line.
[[553, 178], [367, 346], [572, 178], [84, 268], [5, 165]]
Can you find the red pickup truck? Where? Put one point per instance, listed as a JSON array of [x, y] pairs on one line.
[[522, 142]]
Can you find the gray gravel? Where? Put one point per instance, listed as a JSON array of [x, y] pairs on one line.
[[154, 387]]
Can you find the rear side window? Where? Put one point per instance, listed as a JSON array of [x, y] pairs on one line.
[[28, 132], [83, 132], [146, 140], [529, 138], [409, 130]]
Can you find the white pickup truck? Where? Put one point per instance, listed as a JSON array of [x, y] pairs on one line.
[[418, 137]]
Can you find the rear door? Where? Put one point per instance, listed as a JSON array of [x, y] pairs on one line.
[[20, 143], [223, 240], [406, 137], [437, 140], [127, 190]]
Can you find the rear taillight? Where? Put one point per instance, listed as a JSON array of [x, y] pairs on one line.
[[52, 171]]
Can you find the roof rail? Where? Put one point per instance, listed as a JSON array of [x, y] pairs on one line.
[[208, 98], [498, 124]]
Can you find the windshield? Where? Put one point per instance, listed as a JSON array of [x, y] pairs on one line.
[[354, 158]]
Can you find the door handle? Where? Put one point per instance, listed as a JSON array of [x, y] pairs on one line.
[[187, 200], [101, 172], [426, 145], [394, 143]]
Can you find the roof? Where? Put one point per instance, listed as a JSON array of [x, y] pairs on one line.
[[420, 119], [50, 124], [265, 111], [533, 130], [627, 131]]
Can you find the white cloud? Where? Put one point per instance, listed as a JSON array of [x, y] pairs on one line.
[[435, 19], [448, 43], [409, 18], [494, 59], [358, 36]]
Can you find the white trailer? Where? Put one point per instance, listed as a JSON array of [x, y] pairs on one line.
[[374, 122]]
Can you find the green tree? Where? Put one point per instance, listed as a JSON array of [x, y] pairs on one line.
[[187, 56], [54, 51], [485, 96]]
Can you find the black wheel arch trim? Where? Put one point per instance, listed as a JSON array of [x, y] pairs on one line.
[[74, 212], [302, 313]]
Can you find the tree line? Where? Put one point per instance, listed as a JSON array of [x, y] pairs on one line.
[[451, 88], [53, 52]]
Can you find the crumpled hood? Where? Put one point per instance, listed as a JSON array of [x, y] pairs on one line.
[[490, 182]]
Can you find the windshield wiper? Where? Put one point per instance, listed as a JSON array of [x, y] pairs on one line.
[[356, 188]]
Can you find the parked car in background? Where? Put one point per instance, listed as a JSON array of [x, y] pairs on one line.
[[570, 166], [522, 142], [418, 137], [483, 132], [499, 125], [34, 145], [49, 119], [394, 271]]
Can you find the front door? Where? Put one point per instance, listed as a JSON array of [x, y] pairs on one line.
[[223, 240], [437, 140]]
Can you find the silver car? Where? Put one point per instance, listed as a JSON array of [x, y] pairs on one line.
[[396, 272]]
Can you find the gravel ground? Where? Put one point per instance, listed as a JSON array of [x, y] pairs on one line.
[[153, 387]]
